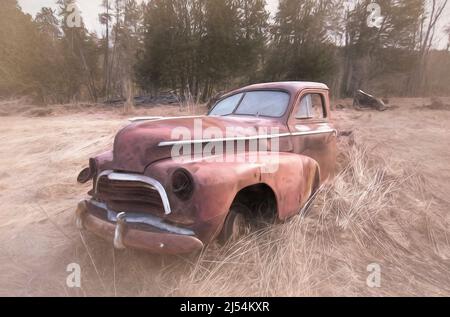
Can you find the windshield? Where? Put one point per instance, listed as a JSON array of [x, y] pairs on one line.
[[226, 106], [254, 103]]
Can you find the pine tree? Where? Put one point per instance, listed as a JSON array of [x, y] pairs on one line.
[[301, 48], [127, 33], [81, 55], [18, 38], [196, 47]]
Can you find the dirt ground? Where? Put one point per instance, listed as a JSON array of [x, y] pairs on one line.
[[406, 199]]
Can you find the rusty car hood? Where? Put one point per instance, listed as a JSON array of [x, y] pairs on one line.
[[138, 145]]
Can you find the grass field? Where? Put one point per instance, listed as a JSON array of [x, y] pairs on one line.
[[389, 205]]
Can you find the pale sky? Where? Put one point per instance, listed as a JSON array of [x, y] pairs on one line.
[[91, 8]]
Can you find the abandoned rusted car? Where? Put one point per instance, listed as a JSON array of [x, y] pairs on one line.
[[144, 198]]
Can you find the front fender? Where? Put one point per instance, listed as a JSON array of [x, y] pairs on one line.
[[292, 182], [290, 176]]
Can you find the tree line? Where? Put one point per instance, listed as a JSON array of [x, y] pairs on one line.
[[197, 48]]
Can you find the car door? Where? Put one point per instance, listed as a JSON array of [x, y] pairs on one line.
[[313, 133]]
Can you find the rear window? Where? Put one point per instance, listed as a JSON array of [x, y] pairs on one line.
[[311, 107], [264, 103]]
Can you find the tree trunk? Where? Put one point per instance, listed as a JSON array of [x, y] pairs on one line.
[[129, 94]]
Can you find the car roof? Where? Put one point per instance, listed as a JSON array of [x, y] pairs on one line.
[[291, 86]]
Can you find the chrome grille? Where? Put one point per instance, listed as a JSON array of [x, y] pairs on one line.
[[129, 195]]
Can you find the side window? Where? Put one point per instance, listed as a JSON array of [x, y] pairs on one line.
[[311, 107]]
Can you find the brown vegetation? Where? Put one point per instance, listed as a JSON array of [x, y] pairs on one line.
[[198, 48], [388, 205]]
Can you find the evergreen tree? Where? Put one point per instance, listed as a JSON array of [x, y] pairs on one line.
[[195, 47], [18, 48], [127, 34], [301, 48], [81, 52]]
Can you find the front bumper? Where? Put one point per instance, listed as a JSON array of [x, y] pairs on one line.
[[117, 229]]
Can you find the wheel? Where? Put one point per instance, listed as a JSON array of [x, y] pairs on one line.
[[235, 225]]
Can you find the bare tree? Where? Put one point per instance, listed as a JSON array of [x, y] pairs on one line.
[[105, 19], [431, 14]]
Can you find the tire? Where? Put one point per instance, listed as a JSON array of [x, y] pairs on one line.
[[236, 224]]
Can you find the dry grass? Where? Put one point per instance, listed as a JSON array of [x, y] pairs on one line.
[[388, 205], [327, 252]]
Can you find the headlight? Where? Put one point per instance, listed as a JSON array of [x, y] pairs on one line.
[[84, 176], [182, 184], [88, 173]]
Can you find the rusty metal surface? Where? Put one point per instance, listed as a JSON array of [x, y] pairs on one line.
[[304, 161], [218, 184], [132, 237], [137, 145]]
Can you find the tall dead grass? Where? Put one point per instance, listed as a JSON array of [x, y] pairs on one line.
[[379, 209], [352, 224]]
